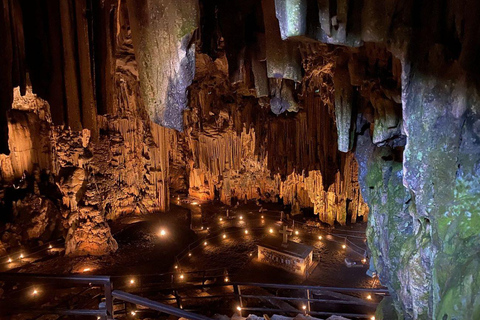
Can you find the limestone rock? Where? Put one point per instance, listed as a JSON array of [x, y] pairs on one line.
[[162, 31]]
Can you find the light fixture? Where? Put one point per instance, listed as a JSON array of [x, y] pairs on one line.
[[344, 246], [86, 269], [369, 297], [246, 231], [262, 217], [189, 254], [372, 318], [132, 281], [221, 219], [133, 313], [163, 232], [9, 260], [239, 308], [319, 237], [241, 217], [304, 307], [194, 203], [176, 267], [271, 230], [296, 232], [181, 276], [364, 260], [226, 279], [21, 256], [205, 243], [35, 292], [224, 236], [50, 247], [98, 318]]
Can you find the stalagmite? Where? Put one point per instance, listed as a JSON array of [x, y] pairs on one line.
[[162, 30]]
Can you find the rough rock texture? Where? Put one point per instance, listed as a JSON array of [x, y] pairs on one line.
[[162, 32], [242, 152]]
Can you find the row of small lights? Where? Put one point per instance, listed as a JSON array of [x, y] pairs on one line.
[[22, 256]]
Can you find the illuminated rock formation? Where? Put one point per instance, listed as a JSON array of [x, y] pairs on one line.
[[162, 32]]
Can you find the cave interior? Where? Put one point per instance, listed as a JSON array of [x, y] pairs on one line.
[[171, 145]]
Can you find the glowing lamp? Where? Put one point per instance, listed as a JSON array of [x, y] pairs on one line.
[[344, 246], [9, 260], [262, 217], [176, 267], [35, 292], [271, 230], [296, 232], [50, 247], [21, 256], [220, 219], [163, 232], [189, 254], [239, 308], [364, 260], [133, 313], [319, 237], [246, 231], [241, 217], [224, 236], [226, 279], [205, 243], [194, 203], [369, 297], [86, 269], [132, 281], [372, 318], [181, 276], [304, 307]]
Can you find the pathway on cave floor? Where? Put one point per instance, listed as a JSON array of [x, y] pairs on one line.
[[143, 251]]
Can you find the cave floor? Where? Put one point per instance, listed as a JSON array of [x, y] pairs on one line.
[[147, 257]]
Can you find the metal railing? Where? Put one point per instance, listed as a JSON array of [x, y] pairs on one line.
[[305, 294]]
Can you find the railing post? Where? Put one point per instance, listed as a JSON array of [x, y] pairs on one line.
[[178, 298], [238, 293], [308, 300], [108, 299]]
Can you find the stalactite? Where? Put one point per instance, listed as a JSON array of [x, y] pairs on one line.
[[162, 33]]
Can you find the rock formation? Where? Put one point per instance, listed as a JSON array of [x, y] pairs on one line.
[[306, 101]]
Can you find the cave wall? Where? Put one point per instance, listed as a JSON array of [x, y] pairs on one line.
[[393, 88]]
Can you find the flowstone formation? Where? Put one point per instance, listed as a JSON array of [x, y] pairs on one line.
[[307, 102], [162, 31]]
